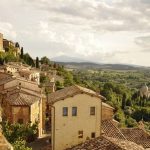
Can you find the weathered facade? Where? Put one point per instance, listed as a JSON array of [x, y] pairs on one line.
[[19, 106], [1, 42], [75, 116], [30, 75], [21, 100], [107, 111]]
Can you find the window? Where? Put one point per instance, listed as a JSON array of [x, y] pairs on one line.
[[74, 111], [65, 111], [93, 135], [80, 134], [92, 110], [20, 121]]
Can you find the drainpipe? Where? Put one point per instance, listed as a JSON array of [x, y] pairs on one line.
[[53, 148]]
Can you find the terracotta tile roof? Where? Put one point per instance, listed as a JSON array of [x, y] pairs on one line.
[[28, 72], [125, 144], [17, 89], [137, 135], [105, 143], [21, 99], [110, 130], [25, 72], [100, 143], [4, 78], [107, 105], [70, 91]]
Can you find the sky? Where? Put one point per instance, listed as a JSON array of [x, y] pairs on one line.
[[105, 31]]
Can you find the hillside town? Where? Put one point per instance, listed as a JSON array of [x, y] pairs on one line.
[[67, 118]]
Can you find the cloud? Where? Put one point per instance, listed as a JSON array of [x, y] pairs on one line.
[[101, 30], [143, 41], [7, 29], [99, 15]]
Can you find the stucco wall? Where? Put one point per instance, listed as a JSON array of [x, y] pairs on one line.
[[65, 129], [20, 113]]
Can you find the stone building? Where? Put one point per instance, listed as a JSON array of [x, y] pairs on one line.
[[31, 75], [7, 44], [75, 116], [20, 106], [14, 46], [107, 111], [15, 67], [21, 101], [1, 43], [4, 78]]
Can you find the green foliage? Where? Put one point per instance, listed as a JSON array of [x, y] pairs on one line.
[[130, 122], [68, 79], [120, 117], [22, 53], [123, 101], [45, 60], [2, 57], [37, 62], [59, 85], [28, 59], [10, 57], [20, 145], [14, 132], [44, 79], [128, 111]]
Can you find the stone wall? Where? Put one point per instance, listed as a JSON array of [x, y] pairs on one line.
[[1, 42], [107, 112], [22, 113]]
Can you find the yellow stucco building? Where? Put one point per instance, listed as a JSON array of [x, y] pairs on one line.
[[75, 116]]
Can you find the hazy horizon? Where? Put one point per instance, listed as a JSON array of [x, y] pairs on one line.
[[104, 31]]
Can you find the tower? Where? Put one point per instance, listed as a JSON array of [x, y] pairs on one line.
[[1, 42]]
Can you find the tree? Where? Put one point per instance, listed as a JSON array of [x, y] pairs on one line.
[[17, 45], [10, 57], [119, 116], [45, 60], [2, 57], [68, 79], [37, 62], [123, 101], [20, 145], [21, 55], [14, 132], [130, 122], [28, 59], [55, 65]]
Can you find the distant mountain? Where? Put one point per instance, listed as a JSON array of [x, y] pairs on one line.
[[90, 65], [64, 58], [77, 63]]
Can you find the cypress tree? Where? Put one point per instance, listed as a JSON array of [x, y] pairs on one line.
[[37, 62], [21, 55]]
